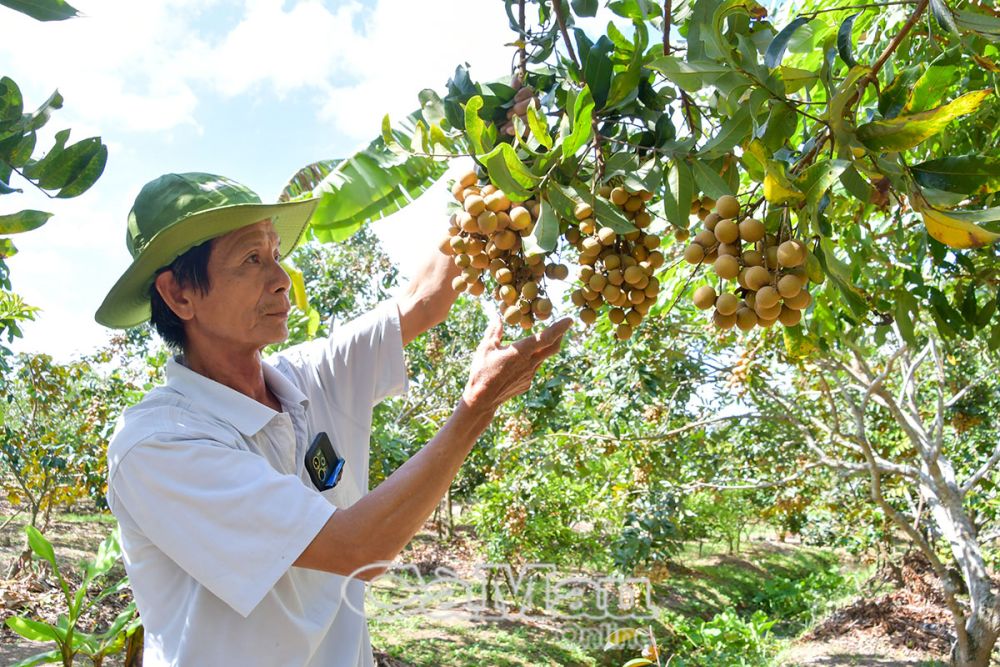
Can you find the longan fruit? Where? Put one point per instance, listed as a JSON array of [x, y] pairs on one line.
[[800, 301], [468, 179], [770, 313], [619, 196], [746, 319], [751, 230], [458, 283], [789, 286], [705, 239], [767, 297], [588, 316], [727, 267], [694, 254], [634, 275], [520, 218], [727, 303], [606, 235], [731, 249], [504, 276], [474, 205], [727, 231], [597, 282], [682, 234], [757, 277], [623, 331], [789, 316], [486, 222], [477, 288], [704, 297], [791, 253], [633, 318], [616, 315], [583, 210], [753, 258], [727, 206], [724, 322]]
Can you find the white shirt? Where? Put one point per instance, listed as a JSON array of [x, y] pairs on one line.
[[214, 502]]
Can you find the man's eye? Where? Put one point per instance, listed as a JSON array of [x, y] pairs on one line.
[[254, 258]]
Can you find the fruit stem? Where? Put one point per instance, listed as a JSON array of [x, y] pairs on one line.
[[558, 9]]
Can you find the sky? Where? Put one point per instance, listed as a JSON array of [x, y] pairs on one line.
[[251, 89]]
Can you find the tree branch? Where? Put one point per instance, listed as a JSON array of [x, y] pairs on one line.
[[981, 472], [558, 9]]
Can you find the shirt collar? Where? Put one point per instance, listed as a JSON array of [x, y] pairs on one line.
[[243, 412]]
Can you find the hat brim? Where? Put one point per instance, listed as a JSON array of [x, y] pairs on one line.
[[127, 304]]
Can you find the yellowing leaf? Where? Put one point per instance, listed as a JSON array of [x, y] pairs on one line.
[[796, 78], [620, 636], [906, 131], [778, 190], [951, 231]]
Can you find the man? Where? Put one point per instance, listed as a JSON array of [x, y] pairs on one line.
[[236, 555]]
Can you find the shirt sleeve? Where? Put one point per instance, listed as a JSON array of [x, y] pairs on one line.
[[359, 364], [223, 515]]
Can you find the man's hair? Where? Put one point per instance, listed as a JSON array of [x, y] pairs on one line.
[[189, 269]]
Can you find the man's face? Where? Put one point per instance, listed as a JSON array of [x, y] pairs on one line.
[[247, 303]]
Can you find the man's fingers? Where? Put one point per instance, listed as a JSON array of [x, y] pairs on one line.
[[544, 338], [493, 333]]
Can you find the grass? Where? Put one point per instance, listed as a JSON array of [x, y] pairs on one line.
[[702, 588]]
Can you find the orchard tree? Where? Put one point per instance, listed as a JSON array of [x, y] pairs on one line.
[[830, 167], [65, 170]]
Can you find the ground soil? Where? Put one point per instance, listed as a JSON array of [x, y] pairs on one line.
[[907, 627]]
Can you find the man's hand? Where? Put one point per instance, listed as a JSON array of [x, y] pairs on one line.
[[501, 372], [428, 298]]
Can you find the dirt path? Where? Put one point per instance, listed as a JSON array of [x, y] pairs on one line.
[[850, 652]]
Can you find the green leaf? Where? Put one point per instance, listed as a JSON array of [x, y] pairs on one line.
[[708, 180], [845, 40], [545, 234], [597, 70], [79, 167], [909, 130], [43, 10], [301, 185], [678, 193], [371, 184], [840, 275], [11, 102], [967, 174], [609, 215], [582, 124], [982, 215], [634, 9], [34, 630], [906, 313], [776, 49], [41, 546], [734, 130], [584, 7], [690, 76], [982, 24], [782, 122], [431, 106], [538, 125], [563, 202], [818, 178], [896, 95], [40, 659], [795, 78], [856, 185], [943, 15], [475, 128], [932, 85], [508, 173]]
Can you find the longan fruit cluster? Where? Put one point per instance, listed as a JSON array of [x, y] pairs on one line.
[[616, 270], [485, 238], [522, 98], [771, 273]]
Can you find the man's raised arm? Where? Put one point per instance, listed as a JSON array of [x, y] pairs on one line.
[[427, 299]]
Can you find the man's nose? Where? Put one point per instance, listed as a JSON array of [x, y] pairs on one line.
[[281, 281]]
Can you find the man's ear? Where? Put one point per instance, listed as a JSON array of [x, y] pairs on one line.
[[177, 298]]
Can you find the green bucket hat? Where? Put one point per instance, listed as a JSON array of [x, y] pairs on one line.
[[176, 212]]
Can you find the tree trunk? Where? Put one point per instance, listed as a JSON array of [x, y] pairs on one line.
[[133, 648], [451, 517]]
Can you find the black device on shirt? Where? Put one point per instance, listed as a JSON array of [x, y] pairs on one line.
[[325, 466]]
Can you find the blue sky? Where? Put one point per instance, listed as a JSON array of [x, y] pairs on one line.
[[253, 89]]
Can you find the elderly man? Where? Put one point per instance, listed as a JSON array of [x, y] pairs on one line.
[[241, 486]]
